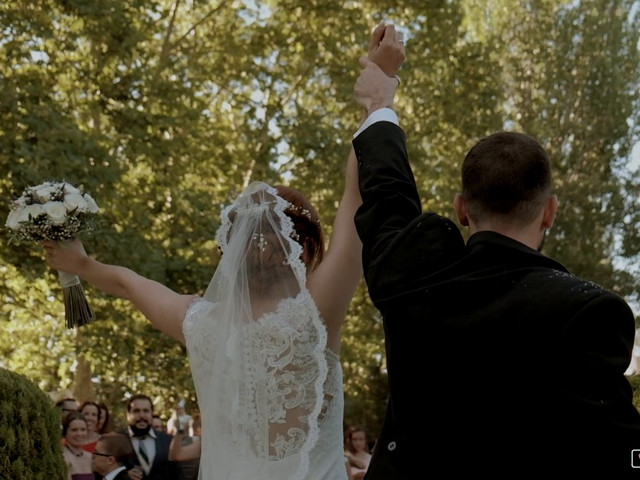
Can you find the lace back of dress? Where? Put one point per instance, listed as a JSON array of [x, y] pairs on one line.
[[266, 387]]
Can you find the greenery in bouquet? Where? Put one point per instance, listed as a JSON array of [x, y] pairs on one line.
[[56, 211]]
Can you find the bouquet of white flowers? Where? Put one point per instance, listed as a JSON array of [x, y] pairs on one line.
[[56, 211]]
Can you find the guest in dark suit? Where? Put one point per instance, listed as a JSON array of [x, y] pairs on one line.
[[151, 447], [110, 456], [521, 363]]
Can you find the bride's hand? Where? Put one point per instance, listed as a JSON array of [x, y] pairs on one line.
[[66, 256], [386, 49]]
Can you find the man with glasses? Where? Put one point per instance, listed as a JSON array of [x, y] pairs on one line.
[[110, 456], [66, 406]]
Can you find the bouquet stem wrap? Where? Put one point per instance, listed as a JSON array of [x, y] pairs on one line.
[[77, 311]]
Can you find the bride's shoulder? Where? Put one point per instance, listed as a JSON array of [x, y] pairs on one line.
[[196, 300], [197, 307]]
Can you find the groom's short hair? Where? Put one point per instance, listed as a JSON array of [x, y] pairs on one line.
[[508, 175]]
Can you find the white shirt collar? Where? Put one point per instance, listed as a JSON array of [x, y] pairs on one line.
[[381, 115], [112, 474]]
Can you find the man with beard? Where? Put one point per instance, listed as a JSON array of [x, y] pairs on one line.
[[151, 446]]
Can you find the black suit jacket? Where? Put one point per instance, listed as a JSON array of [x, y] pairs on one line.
[[162, 468], [499, 360]]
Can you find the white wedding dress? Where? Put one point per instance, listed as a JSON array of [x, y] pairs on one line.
[[219, 459], [269, 391]]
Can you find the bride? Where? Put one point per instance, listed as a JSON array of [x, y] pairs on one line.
[[263, 341]]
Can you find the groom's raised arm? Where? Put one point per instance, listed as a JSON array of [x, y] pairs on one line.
[[387, 186]]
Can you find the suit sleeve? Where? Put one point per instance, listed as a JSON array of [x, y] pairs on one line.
[[398, 241], [389, 194]]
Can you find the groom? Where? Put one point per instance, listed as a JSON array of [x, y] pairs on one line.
[[500, 361]]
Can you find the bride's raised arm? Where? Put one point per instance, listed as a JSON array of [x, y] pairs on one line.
[[333, 283], [161, 305]]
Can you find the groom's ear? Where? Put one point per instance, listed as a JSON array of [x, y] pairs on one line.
[[550, 209], [460, 207]]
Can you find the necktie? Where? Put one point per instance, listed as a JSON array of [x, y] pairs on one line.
[[143, 453]]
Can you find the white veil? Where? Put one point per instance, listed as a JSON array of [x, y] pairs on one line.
[[261, 404]]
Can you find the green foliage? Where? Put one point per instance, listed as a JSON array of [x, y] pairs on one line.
[[634, 380], [164, 110], [364, 366], [572, 72], [30, 447]]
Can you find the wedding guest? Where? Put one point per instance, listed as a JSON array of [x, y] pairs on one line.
[[66, 405], [356, 450], [105, 416], [524, 362], [74, 432], [266, 332], [91, 411], [110, 456], [151, 447], [179, 416], [186, 449], [157, 423]]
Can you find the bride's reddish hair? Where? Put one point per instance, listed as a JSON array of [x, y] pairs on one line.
[[307, 225]]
